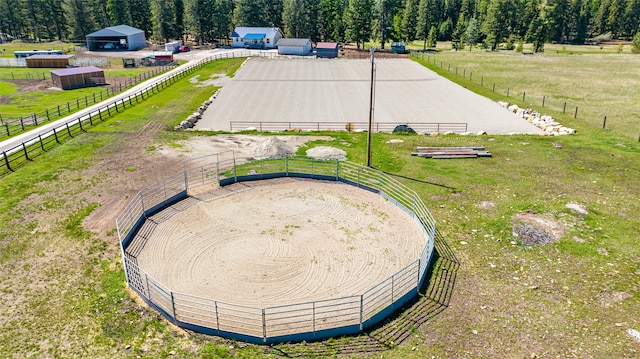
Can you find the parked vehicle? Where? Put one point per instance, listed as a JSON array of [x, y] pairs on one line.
[[184, 49]]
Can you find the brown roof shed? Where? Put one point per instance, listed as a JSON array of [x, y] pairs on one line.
[[77, 77], [55, 61]]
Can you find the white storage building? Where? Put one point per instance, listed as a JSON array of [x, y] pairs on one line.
[[294, 47]]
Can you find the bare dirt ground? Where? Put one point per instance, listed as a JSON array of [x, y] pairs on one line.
[[281, 241], [244, 146], [337, 91]]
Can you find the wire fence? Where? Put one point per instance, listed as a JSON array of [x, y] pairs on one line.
[[11, 62], [42, 141], [12, 126], [536, 102], [294, 322]]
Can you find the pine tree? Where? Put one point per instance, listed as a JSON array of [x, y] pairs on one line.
[[458, 36], [164, 20], [432, 39], [632, 18], [119, 12], [274, 11], [497, 24], [247, 14], [333, 26], [446, 30], [426, 20], [385, 11], [538, 33], [80, 24], [34, 14], [409, 20], [223, 19], [57, 24], [141, 16], [98, 8], [358, 19], [199, 16], [635, 45], [472, 33], [615, 18], [581, 18]]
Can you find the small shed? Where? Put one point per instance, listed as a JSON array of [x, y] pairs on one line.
[[294, 47], [398, 47], [328, 50], [55, 61], [77, 77], [165, 56], [122, 37]]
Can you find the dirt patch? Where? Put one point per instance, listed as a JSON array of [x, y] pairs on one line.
[[214, 80], [608, 299], [536, 229], [27, 86], [244, 146]]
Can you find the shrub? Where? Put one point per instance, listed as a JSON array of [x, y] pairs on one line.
[[510, 45], [636, 43]]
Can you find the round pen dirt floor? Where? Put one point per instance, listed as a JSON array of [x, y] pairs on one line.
[[280, 241]]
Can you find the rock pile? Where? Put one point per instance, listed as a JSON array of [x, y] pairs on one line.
[[545, 122], [194, 117]]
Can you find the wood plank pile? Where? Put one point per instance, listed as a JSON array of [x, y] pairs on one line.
[[451, 152]]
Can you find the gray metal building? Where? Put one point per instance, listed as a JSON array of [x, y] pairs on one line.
[[121, 37]]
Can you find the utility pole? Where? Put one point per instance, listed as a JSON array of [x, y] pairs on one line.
[[371, 107]]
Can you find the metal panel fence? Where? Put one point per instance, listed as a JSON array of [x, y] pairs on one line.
[[293, 322], [455, 127]]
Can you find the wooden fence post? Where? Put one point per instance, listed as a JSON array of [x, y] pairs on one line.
[[26, 154], [6, 161]]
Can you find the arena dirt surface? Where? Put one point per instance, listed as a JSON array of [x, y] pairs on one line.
[[337, 91], [281, 241]]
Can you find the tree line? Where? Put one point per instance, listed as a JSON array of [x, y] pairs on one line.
[[487, 23]]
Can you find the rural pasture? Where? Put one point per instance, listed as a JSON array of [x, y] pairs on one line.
[[63, 290], [597, 81]]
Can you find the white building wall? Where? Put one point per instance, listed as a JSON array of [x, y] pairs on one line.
[[136, 41]]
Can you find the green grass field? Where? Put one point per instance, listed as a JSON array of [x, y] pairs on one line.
[[63, 286], [7, 48], [15, 103], [598, 84]]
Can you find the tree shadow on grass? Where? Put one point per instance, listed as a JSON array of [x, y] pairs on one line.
[[433, 298]]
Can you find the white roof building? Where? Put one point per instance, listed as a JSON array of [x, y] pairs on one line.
[[256, 37]]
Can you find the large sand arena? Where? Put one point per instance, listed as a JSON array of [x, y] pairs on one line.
[[281, 241], [337, 91]]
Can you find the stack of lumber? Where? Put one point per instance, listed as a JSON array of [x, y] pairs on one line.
[[451, 152]]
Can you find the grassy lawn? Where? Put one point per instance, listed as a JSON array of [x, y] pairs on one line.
[[7, 48], [20, 103], [63, 286], [571, 75]]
